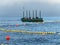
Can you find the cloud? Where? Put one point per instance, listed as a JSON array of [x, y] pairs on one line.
[[51, 1], [11, 2], [47, 1], [54, 1], [14, 7]]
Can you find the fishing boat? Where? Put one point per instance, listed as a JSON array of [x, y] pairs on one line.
[[35, 17]]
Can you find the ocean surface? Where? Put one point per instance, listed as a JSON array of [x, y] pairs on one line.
[[50, 25]]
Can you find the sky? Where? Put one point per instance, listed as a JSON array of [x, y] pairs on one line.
[[11, 8]]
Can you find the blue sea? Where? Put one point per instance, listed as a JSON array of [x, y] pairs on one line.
[[49, 25]]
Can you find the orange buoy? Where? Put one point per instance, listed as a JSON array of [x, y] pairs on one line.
[[7, 38], [17, 25]]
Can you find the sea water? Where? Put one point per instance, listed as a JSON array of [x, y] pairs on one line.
[[30, 39]]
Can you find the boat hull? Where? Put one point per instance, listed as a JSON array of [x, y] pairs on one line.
[[32, 20]]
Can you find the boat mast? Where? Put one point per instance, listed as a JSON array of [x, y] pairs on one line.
[[29, 14], [33, 14], [23, 14], [40, 14], [26, 14], [36, 13]]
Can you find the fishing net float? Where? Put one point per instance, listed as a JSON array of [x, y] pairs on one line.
[[28, 32]]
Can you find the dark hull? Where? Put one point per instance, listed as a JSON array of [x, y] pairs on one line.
[[32, 20]]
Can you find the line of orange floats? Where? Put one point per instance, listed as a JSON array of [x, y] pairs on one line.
[[28, 32]]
